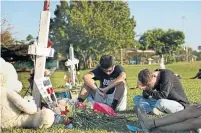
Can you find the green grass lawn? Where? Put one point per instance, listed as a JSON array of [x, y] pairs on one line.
[[185, 70]]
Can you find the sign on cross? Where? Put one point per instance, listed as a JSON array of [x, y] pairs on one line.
[[71, 63]]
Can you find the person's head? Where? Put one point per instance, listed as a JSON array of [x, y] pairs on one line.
[[147, 79], [199, 70], [107, 64]]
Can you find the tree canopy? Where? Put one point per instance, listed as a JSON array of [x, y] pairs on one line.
[[29, 37], [163, 42], [93, 27], [6, 33]]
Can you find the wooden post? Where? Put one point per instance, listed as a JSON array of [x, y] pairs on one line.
[[42, 42], [187, 54]]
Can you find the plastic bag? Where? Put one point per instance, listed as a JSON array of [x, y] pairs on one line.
[[100, 107]]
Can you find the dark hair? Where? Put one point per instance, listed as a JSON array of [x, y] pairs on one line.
[[200, 70], [107, 61], [144, 76]]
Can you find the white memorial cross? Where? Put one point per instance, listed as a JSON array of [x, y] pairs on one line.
[[40, 50], [72, 62]]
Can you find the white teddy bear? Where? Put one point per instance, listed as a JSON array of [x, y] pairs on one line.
[[15, 110]]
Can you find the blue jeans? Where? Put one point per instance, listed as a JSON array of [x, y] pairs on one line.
[[164, 105]]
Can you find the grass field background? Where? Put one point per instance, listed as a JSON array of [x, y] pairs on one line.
[[185, 70]]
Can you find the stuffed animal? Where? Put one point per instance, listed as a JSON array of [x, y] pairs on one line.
[[62, 107], [15, 110]]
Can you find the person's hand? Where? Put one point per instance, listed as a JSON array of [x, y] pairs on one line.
[[100, 92], [140, 86]]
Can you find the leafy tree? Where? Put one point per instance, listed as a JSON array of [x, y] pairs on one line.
[[151, 40], [197, 53], [6, 33], [162, 41], [29, 37], [94, 27], [173, 40]]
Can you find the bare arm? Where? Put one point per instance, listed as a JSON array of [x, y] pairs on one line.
[[120, 78], [88, 80], [197, 75]]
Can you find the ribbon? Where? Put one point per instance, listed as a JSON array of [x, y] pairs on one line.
[[50, 90]]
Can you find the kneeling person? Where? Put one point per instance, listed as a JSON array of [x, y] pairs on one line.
[[112, 90], [164, 88]]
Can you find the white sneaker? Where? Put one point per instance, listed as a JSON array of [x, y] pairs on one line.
[[157, 111]]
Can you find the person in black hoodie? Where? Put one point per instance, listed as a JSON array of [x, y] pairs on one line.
[[162, 92]]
